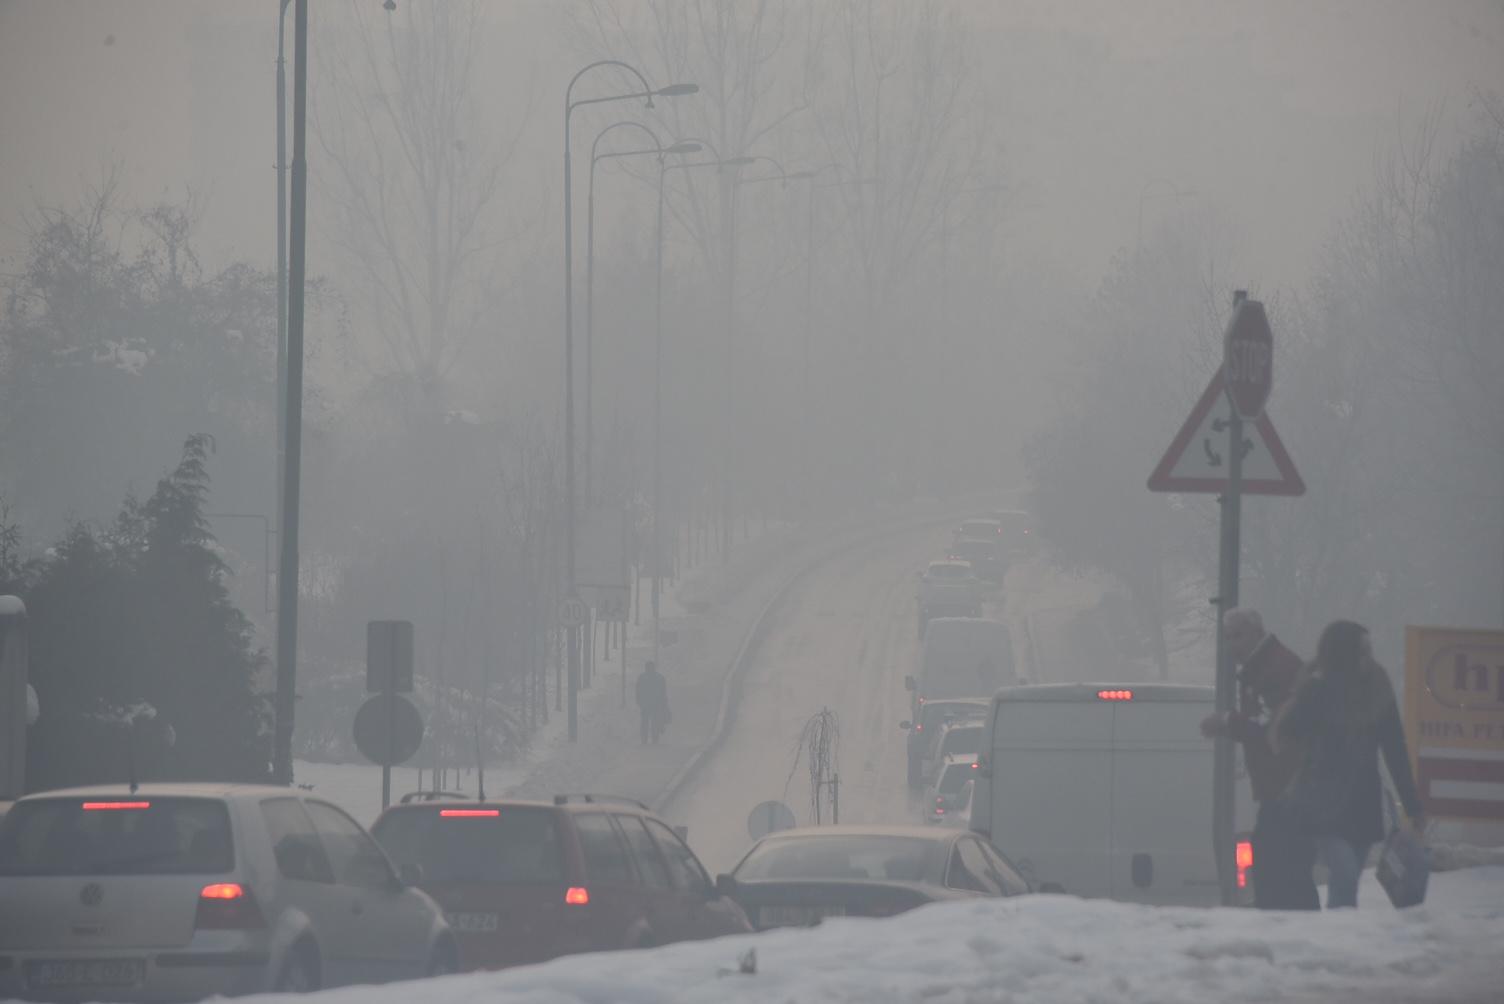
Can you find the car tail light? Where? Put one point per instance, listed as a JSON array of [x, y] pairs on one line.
[[1244, 857], [92, 806], [227, 906], [469, 813], [577, 895], [1115, 695]]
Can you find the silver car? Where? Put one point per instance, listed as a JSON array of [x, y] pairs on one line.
[[183, 891]]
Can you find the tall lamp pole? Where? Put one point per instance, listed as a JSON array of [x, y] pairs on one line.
[[287, 565], [570, 104]]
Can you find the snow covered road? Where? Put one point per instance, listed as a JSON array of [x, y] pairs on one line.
[[842, 639]]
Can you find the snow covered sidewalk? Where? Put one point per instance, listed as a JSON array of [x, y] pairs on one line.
[[1053, 949]]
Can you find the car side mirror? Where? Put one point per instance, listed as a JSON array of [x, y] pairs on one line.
[[410, 873], [906, 725], [908, 683], [725, 885]]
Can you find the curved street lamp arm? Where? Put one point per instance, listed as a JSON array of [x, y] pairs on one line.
[[570, 104], [594, 147]]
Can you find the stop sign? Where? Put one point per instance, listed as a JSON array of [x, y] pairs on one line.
[[1248, 359]]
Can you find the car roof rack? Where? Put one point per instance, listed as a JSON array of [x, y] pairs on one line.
[[434, 796], [591, 799]]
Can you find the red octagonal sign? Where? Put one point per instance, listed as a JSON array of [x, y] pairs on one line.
[[1248, 360]]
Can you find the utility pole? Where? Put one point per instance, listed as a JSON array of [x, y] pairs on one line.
[[287, 566]]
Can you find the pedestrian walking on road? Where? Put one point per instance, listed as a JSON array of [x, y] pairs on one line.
[[652, 702], [1344, 712], [1283, 850]]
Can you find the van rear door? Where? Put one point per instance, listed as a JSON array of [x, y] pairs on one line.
[[1161, 841], [1051, 790]]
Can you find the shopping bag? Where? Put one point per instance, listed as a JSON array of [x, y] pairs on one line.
[[1404, 864]]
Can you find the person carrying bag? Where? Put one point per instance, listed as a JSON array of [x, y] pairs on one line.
[[1345, 713]]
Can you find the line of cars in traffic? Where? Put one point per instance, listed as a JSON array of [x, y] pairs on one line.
[[184, 891], [1101, 789]]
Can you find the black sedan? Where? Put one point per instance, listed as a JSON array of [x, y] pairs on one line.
[[800, 877]]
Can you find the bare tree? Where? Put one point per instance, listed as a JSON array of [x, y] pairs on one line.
[[412, 170]]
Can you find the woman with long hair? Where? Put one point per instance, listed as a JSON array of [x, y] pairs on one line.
[[1345, 714]]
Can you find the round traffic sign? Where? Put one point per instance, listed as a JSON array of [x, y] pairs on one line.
[[769, 817], [388, 729], [1248, 360], [573, 612]]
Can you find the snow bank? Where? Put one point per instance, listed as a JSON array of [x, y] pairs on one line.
[[1053, 949]]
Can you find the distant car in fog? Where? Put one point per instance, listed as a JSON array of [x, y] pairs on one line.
[[959, 736], [184, 891], [951, 777], [527, 881], [800, 877], [1018, 535], [930, 718], [985, 555], [948, 589], [980, 528]]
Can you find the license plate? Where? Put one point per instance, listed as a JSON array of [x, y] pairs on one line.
[[797, 916], [85, 973], [473, 922]]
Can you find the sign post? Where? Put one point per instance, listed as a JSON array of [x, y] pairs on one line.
[[389, 672], [1228, 446]]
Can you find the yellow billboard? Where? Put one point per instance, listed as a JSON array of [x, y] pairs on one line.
[[1454, 719]]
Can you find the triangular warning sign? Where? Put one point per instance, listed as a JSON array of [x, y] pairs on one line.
[[1197, 458]]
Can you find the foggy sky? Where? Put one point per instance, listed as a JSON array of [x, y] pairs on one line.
[[1271, 113]]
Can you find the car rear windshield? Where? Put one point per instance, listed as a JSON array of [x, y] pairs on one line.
[[858, 856], [935, 713], [954, 777], [115, 835], [961, 741], [978, 528], [468, 844], [949, 571]]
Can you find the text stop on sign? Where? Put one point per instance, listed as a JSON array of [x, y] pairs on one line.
[[1248, 359]]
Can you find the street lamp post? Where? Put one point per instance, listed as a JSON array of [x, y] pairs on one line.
[[570, 104], [287, 564]]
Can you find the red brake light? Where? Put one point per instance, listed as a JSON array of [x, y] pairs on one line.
[[1244, 857], [577, 895], [1115, 695], [468, 813], [226, 906], [91, 806], [223, 890], [975, 765]]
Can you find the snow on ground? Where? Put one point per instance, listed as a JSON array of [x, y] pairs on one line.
[[1055, 949]]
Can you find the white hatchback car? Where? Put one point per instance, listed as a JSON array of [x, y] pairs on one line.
[[183, 891]]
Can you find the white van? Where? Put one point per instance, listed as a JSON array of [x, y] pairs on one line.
[[1105, 790], [963, 657]]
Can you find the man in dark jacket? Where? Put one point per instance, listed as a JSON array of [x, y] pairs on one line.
[[652, 701], [1282, 851]]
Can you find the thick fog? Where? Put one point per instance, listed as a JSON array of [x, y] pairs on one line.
[[977, 246]]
